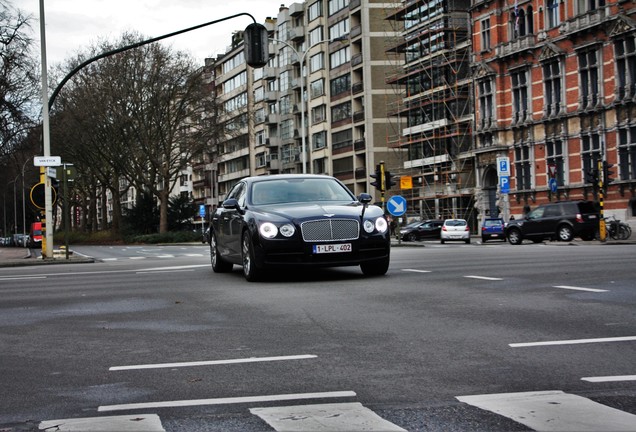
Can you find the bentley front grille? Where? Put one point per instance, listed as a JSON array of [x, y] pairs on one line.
[[330, 230]]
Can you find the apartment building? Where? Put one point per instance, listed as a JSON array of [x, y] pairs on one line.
[[319, 106], [435, 113], [556, 94]]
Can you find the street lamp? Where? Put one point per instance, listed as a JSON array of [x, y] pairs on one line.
[[23, 199], [302, 89]]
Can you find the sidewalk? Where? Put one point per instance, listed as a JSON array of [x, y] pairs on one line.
[[17, 257]]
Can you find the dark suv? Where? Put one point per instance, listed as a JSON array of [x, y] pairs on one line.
[[560, 220]]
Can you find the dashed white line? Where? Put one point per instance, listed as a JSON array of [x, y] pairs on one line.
[[579, 288], [610, 378], [136, 423], [573, 341], [416, 270], [225, 401], [6, 278], [213, 362], [483, 278]]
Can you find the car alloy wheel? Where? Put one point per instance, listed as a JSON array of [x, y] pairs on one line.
[[514, 237], [250, 271], [218, 264], [566, 233]]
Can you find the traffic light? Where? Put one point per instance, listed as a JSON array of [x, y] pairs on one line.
[[388, 180], [607, 173], [256, 45], [591, 176], [378, 177]]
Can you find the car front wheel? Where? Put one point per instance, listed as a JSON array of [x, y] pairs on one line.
[[565, 233], [218, 264], [514, 237], [376, 267], [250, 271], [411, 237]]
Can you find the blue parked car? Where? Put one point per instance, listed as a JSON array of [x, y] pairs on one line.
[[493, 228]]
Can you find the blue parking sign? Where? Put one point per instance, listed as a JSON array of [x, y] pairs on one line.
[[201, 210], [504, 184]]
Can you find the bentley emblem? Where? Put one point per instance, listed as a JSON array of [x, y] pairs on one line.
[[329, 215]]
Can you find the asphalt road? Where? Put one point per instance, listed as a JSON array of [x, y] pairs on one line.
[[152, 333]]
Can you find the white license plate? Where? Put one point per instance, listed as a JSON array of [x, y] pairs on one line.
[[592, 216], [332, 248], [494, 235]]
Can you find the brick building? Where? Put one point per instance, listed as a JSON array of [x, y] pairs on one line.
[[555, 91]]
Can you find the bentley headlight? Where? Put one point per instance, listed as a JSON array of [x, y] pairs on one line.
[[268, 230], [381, 225], [368, 226], [287, 230]]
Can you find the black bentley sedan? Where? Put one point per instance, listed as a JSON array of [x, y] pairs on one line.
[[275, 221]]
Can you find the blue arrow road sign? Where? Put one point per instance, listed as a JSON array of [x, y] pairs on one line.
[[396, 205], [504, 184], [553, 185]]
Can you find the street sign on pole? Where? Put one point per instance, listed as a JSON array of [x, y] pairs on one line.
[[503, 166], [504, 184], [47, 160], [396, 205]]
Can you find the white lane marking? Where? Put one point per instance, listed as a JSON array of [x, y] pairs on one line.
[[154, 269], [141, 423], [554, 411], [109, 259], [579, 288], [137, 258], [335, 417], [163, 271], [3, 278], [225, 401], [416, 270], [484, 278], [165, 256], [610, 378], [213, 362], [193, 255], [573, 341]]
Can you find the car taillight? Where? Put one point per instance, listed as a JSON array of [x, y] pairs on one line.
[[467, 228], [483, 228], [444, 228], [579, 218]]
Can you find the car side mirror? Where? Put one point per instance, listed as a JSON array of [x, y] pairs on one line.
[[231, 204], [365, 198]]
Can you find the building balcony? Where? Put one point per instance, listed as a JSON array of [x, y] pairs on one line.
[[296, 9], [273, 118], [586, 22], [270, 73], [517, 46], [357, 87], [361, 173], [359, 144], [353, 4], [358, 116], [355, 32], [297, 33], [356, 59]]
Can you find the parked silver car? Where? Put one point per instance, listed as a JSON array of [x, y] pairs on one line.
[[455, 229]]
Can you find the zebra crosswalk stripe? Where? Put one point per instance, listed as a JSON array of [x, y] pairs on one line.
[[554, 411]]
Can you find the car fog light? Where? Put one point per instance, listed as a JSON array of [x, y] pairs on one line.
[[287, 230], [268, 230]]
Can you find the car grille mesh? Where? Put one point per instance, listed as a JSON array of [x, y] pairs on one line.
[[330, 230]]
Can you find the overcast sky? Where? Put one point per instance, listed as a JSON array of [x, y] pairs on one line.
[[73, 25]]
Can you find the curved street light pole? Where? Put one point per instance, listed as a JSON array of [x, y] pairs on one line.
[[303, 149]]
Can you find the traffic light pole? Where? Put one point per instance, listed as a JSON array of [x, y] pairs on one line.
[[601, 192]]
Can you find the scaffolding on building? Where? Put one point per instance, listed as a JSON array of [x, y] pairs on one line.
[[433, 118]]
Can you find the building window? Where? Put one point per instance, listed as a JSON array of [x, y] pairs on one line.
[[523, 167], [485, 34], [585, 6], [590, 151], [315, 36], [319, 140], [552, 94], [625, 56], [337, 5], [259, 94], [521, 22], [340, 57], [260, 138], [317, 88], [340, 85], [320, 166], [284, 80], [552, 12], [554, 150], [589, 76], [341, 28], [519, 96], [627, 153], [259, 115], [341, 112], [316, 62], [486, 97], [287, 129], [318, 114], [341, 139], [284, 105], [315, 10], [261, 160]]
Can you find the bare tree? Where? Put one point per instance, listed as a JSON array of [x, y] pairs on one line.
[[140, 116], [18, 78]]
